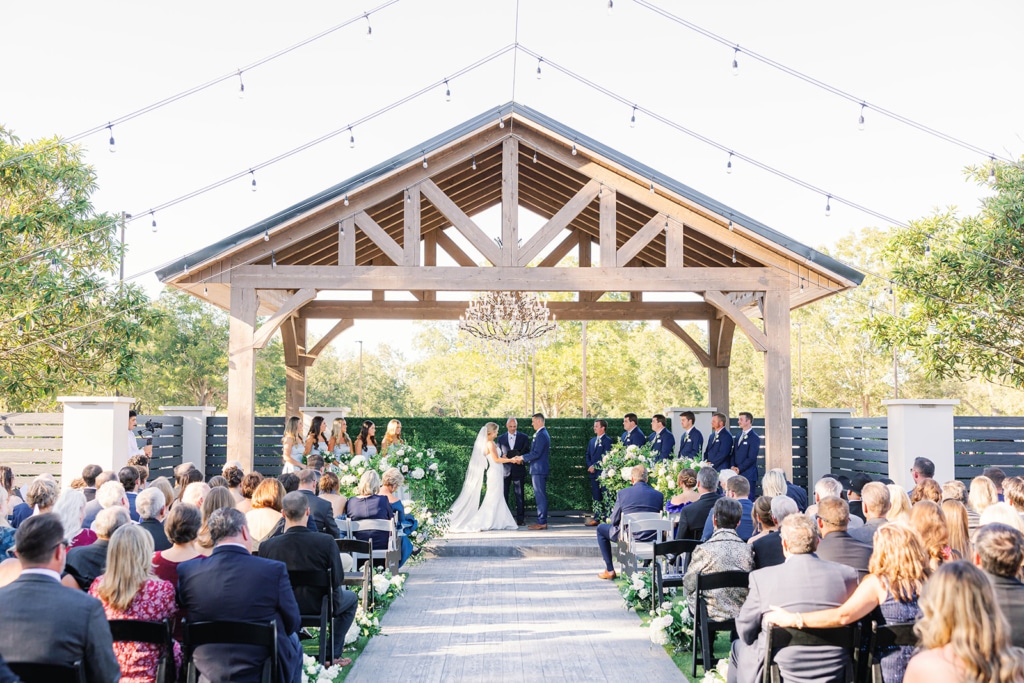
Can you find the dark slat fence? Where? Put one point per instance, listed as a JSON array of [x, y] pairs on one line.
[[31, 444], [268, 435], [860, 445], [981, 442], [166, 444], [800, 471]]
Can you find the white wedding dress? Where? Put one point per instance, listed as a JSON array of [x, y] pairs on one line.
[[468, 514]]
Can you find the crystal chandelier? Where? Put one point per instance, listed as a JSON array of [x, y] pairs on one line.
[[507, 326]]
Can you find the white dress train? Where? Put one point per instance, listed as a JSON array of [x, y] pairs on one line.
[[468, 514]]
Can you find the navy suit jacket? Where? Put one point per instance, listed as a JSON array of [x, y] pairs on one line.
[[634, 438], [662, 444], [744, 455], [521, 446], [233, 585], [691, 444], [639, 497], [596, 450], [719, 450], [321, 513], [538, 455]]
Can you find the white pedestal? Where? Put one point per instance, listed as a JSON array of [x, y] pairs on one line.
[[819, 440], [702, 421], [329, 415], [95, 433], [920, 428], [193, 432]]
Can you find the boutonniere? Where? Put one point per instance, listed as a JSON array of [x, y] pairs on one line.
[[686, 438]]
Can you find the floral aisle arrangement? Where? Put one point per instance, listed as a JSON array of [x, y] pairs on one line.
[[720, 674], [616, 475], [312, 672], [672, 624], [386, 588], [637, 590]]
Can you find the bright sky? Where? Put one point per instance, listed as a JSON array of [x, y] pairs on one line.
[[948, 65]]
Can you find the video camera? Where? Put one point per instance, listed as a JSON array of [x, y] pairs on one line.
[[150, 428]]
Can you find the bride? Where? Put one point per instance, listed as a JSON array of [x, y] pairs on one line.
[[468, 514]]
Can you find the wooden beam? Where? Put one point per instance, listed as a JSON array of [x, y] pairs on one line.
[[242, 375], [294, 302], [453, 250], [509, 202], [778, 392], [702, 355], [559, 222], [313, 354], [722, 303], [456, 279], [673, 244], [607, 227], [412, 228], [429, 259], [294, 372], [347, 242], [289, 342], [585, 258], [640, 239], [451, 310], [379, 237], [718, 389], [720, 335], [461, 222], [561, 251]]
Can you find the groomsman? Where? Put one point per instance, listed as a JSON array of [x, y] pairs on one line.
[[719, 450], [692, 441], [661, 440], [596, 449], [632, 436], [510, 444], [745, 449]]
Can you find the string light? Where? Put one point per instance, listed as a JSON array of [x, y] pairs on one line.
[[501, 121], [828, 205], [241, 86], [652, 185], [408, 195], [351, 138], [632, 119], [369, 28], [206, 290], [345, 201], [574, 149], [860, 121], [801, 283], [110, 145], [539, 60], [253, 174], [611, 6], [927, 248], [736, 62], [186, 268], [734, 254], [534, 156], [425, 164], [154, 220], [447, 91], [728, 164], [273, 259], [473, 165], [730, 224], [266, 235], [991, 170]]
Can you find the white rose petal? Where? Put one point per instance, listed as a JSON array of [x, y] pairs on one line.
[[417, 473]]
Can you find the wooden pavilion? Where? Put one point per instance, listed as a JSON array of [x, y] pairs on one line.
[[382, 230]]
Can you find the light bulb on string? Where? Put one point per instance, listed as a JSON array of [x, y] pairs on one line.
[[652, 185], [574, 149], [801, 283], [110, 145], [154, 220], [632, 118], [273, 259], [369, 28], [447, 91], [501, 121], [206, 290], [991, 169], [611, 6], [253, 174], [734, 254], [539, 60], [534, 156], [186, 267], [266, 235], [425, 164], [860, 121], [473, 165], [345, 200], [351, 138], [927, 247], [408, 195], [728, 164], [736, 62], [828, 206], [730, 224], [241, 86]]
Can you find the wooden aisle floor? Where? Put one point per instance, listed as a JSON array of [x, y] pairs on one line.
[[513, 606]]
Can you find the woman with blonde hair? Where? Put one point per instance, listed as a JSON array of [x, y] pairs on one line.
[[390, 482], [70, 507], [266, 510], [128, 590], [927, 489], [468, 513], [980, 495], [367, 504], [339, 443], [898, 570], [293, 446], [164, 486], [1002, 513], [392, 436], [956, 521], [899, 509], [219, 498], [963, 634], [927, 518]]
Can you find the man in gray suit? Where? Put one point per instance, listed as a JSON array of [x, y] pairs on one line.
[[999, 551], [45, 622], [836, 545], [875, 504], [803, 583]]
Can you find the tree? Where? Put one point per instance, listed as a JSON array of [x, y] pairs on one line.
[[65, 325]]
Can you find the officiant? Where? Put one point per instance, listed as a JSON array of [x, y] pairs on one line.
[[510, 444]]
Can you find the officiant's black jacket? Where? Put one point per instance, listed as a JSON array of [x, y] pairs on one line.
[[522, 445]]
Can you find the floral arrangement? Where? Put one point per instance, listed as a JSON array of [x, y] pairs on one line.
[[386, 588], [430, 525], [720, 674], [312, 672], [665, 474], [637, 590], [672, 624], [615, 473]]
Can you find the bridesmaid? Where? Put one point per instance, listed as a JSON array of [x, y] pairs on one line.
[[391, 437], [366, 443], [292, 446], [315, 438], [340, 444]]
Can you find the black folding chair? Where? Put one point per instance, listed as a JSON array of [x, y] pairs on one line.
[[322, 581], [154, 633], [884, 636], [48, 673], [777, 637], [704, 629], [232, 633], [361, 577], [668, 573]]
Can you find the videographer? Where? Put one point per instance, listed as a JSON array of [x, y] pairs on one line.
[[133, 444]]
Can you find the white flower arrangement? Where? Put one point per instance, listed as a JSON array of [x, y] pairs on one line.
[[357, 461], [405, 469], [381, 583], [312, 672], [719, 674], [417, 473], [626, 474], [659, 626], [433, 467]]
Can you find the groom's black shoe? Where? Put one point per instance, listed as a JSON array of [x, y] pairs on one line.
[[520, 522]]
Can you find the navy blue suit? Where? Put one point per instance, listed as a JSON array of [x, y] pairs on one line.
[[515, 475], [691, 445], [719, 450], [662, 444], [634, 438], [233, 585], [596, 450], [539, 469], [744, 456], [639, 497]]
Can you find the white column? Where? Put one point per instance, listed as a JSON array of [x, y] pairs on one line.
[[819, 440], [95, 433], [193, 432], [701, 420], [328, 414], [920, 428]]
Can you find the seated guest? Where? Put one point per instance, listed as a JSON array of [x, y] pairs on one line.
[[7, 483], [39, 499], [89, 474], [725, 551], [109, 494], [1013, 492], [956, 522], [218, 480], [182, 528], [322, 513], [768, 549], [853, 496], [996, 476], [899, 504], [999, 551], [163, 486], [185, 474], [6, 530], [195, 493], [955, 490], [899, 568], [686, 484], [367, 504], [875, 505], [1001, 513], [152, 510], [927, 489], [829, 485], [774, 484], [390, 482], [737, 488], [128, 590], [329, 485], [761, 518], [304, 550], [980, 495], [923, 468], [836, 545], [45, 623], [266, 510], [963, 633], [234, 585], [217, 499], [233, 476], [927, 519], [249, 484], [70, 508], [693, 516], [128, 476], [88, 562], [803, 583], [289, 481], [639, 497]]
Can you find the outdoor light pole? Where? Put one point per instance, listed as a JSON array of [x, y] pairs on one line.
[[361, 378]]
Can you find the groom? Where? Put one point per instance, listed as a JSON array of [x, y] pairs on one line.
[[537, 458]]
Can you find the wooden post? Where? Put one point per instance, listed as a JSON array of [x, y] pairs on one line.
[[609, 248], [718, 388], [778, 396], [242, 376], [509, 202], [720, 335], [295, 373]]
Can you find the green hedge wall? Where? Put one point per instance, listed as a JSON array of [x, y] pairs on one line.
[[452, 437]]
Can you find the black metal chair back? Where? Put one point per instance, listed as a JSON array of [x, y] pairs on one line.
[[232, 633], [322, 581], [154, 633], [704, 629], [676, 555], [777, 637], [48, 673], [884, 636]]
